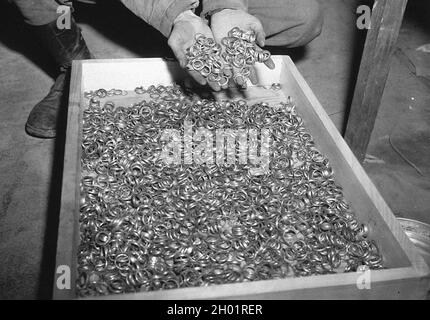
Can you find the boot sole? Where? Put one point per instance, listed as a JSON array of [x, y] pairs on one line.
[[40, 133]]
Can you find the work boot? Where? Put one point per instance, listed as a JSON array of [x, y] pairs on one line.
[[43, 118], [65, 46]]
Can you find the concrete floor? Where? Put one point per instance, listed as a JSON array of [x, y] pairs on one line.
[[30, 168]]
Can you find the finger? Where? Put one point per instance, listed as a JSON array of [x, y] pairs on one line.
[[198, 77], [228, 72], [260, 34], [240, 81], [261, 38], [270, 64], [253, 76], [177, 51], [215, 86]]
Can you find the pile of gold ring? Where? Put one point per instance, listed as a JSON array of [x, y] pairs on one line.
[[147, 225], [240, 54]]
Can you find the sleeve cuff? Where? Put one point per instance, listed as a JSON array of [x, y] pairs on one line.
[[160, 13], [212, 5], [164, 15]]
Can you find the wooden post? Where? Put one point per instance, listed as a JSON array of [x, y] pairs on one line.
[[387, 17]]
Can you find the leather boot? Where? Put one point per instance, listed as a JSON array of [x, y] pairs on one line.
[[64, 46]]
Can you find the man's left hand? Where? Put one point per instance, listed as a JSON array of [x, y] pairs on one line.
[[225, 20]]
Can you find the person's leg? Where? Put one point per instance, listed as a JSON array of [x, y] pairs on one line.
[[289, 23], [64, 45]]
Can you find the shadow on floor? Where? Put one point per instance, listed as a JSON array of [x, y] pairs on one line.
[[48, 264]]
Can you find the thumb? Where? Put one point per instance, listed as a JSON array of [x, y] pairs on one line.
[[179, 54], [182, 59], [260, 35]]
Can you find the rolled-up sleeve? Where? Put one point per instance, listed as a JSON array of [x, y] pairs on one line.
[[212, 5], [160, 13]]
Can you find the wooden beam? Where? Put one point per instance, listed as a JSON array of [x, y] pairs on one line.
[[387, 17]]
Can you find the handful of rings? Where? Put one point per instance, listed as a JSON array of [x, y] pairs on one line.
[[207, 57]]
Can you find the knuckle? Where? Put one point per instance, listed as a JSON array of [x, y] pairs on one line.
[[172, 42]]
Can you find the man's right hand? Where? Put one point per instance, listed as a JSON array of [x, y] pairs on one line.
[[225, 20], [185, 28]]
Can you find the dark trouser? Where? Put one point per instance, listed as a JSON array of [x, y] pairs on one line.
[[289, 23]]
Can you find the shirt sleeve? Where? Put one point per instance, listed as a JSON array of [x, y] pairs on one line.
[[212, 5], [160, 13]]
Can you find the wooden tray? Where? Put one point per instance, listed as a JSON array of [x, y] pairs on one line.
[[406, 276]]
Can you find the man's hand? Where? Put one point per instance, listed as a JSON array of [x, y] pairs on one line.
[[185, 28], [225, 20]]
